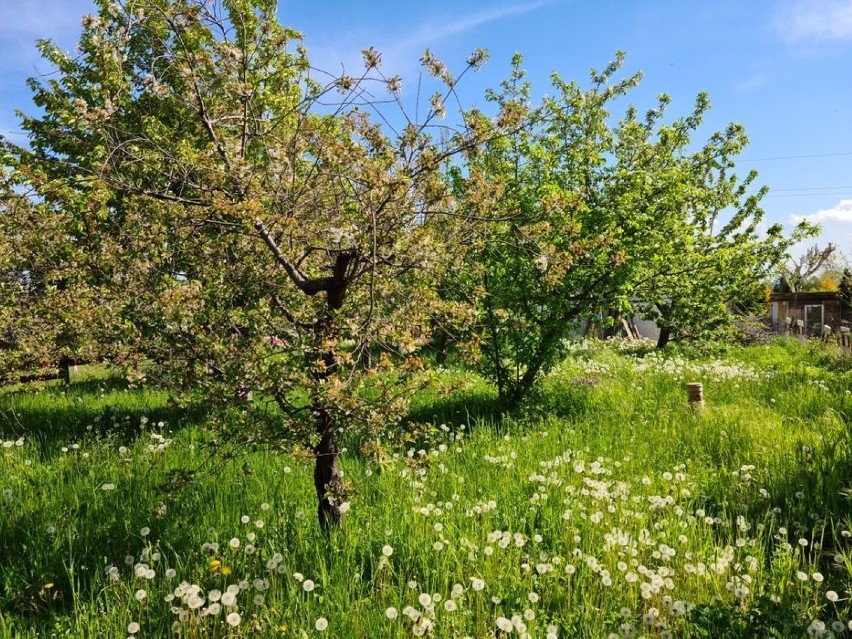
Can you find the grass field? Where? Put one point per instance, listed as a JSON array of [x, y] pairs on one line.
[[607, 509]]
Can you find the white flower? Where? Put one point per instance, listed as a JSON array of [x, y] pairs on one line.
[[387, 551], [504, 624], [234, 619], [140, 595], [145, 531], [234, 543], [214, 595], [132, 628], [171, 573], [817, 576], [343, 508], [321, 624], [477, 584], [391, 613], [533, 597], [411, 613], [229, 598], [450, 605], [214, 609], [425, 599], [831, 596], [308, 585]]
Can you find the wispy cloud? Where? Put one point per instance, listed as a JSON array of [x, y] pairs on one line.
[[810, 21], [400, 54], [752, 83], [435, 32], [840, 213]]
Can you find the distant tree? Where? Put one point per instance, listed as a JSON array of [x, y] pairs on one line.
[[801, 273], [262, 233], [719, 273], [48, 314]]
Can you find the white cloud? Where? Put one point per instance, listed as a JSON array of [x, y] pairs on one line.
[[815, 20], [836, 227], [840, 213]]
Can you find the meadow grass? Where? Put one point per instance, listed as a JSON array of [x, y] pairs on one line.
[[608, 508]]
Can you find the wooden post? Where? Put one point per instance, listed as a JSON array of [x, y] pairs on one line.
[[788, 330], [826, 333], [845, 341], [65, 369], [695, 394]]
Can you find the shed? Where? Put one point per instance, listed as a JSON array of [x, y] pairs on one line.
[[816, 309]]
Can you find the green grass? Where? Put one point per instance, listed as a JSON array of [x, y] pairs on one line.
[[607, 507]]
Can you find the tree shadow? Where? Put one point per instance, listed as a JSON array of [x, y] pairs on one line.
[[58, 416], [461, 408], [44, 578]]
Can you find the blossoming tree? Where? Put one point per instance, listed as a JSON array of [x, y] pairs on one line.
[[273, 247]]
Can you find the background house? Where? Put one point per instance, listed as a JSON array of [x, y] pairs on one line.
[[816, 309]]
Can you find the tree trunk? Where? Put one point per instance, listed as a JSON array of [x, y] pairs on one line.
[[442, 347], [65, 369], [665, 336], [327, 480]]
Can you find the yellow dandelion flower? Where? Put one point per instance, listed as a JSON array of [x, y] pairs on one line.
[[48, 586], [226, 570]]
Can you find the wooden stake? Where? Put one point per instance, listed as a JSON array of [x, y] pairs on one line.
[[695, 394]]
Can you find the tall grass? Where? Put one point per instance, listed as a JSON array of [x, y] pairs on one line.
[[607, 508]]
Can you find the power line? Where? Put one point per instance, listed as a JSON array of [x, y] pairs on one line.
[[816, 188], [841, 193], [797, 157]]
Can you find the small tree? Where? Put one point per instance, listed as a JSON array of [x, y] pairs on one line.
[[263, 233]]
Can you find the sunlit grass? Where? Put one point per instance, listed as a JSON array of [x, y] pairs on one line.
[[607, 507]]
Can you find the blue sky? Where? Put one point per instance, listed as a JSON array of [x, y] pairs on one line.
[[781, 67]]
